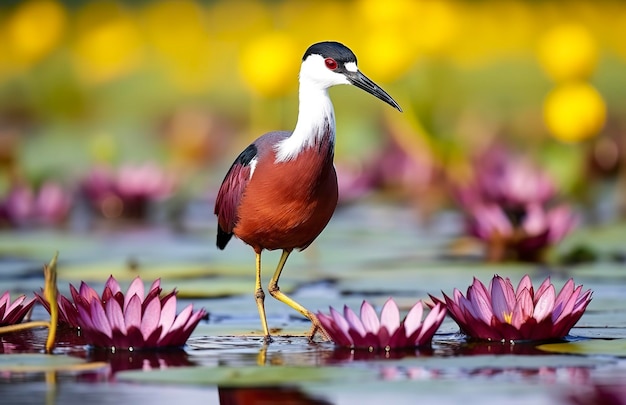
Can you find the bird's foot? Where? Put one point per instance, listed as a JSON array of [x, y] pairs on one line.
[[318, 328], [267, 339]]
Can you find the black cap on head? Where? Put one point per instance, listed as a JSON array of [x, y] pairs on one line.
[[331, 49]]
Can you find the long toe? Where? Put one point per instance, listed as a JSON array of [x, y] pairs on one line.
[[318, 328]]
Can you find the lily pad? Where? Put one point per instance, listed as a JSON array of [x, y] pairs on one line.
[[128, 271], [244, 376], [41, 245], [615, 347], [34, 362]]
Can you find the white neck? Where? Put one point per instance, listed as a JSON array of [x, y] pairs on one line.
[[315, 116]]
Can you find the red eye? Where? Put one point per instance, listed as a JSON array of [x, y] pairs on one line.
[[331, 63]]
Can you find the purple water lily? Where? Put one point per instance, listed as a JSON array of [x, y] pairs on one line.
[[14, 312], [510, 207], [135, 320], [127, 192], [387, 332], [524, 236], [22, 206], [502, 313]]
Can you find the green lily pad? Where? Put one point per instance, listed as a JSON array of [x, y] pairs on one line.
[[615, 347], [605, 240], [34, 362], [41, 245], [127, 271], [244, 376]]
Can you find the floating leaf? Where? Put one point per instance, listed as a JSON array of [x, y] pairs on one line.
[[35, 362], [244, 376], [128, 271], [616, 347]]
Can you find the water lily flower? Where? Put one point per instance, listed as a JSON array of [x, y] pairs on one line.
[[135, 320], [127, 192], [523, 236], [502, 313], [22, 206], [387, 332], [510, 206], [14, 312]]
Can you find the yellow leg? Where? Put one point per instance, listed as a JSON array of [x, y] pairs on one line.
[[259, 296], [279, 295]]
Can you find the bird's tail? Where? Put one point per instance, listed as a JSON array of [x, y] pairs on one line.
[[223, 237]]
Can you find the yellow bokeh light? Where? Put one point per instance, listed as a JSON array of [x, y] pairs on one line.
[[269, 64], [568, 52], [239, 21], [108, 42], [385, 55], [574, 112], [438, 24], [34, 30], [178, 32]]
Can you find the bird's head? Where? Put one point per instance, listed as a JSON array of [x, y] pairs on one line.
[[327, 64]]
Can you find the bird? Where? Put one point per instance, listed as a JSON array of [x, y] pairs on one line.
[[281, 191]]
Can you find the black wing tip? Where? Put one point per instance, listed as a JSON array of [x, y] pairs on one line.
[[222, 238]]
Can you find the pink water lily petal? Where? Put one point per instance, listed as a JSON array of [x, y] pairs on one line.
[[481, 306], [369, 318], [523, 309], [132, 313], [88, 293], [413, 319], [354, 321], [5, 299], [156, 284], [135, 288], [115, 316], [524, 283], [546, 283], [567, 307], [168, 314], [177, 327], [502, 304], [563, 296], [336, 334], [340, 321], [150, 318], [390, 316], [18, 301], [431, 323], [113, 285], [99, 318], [189, 327], [544, 304], [582, 301]]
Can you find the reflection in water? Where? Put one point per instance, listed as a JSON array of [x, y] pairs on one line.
[[267, 395], [141, 360], [474, 348], [345, 354], [611, 392]]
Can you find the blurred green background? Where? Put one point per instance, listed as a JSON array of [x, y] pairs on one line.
[[188, 83]]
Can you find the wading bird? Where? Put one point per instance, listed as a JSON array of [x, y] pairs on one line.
[[281, 191]]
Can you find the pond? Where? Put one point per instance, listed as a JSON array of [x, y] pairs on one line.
[[370, 252]]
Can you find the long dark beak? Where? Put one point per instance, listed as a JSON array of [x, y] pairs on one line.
[[362, 82]]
